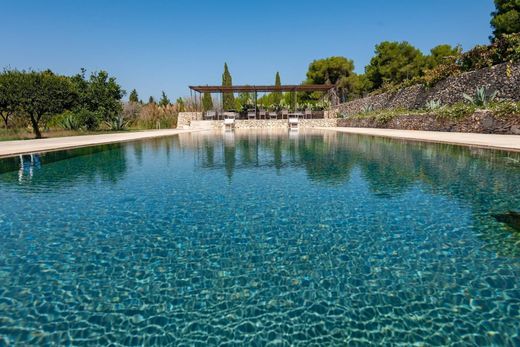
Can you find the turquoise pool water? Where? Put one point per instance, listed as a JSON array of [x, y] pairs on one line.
[[255, 238]]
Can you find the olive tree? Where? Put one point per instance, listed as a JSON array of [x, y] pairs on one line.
[[41, 94]]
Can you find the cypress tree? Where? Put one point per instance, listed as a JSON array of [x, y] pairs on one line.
[[228, 100], [277, 95], [151, 100], [207, 102], [164, 100], [133, 96]]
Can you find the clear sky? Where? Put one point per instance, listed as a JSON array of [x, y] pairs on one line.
[[168, 45]]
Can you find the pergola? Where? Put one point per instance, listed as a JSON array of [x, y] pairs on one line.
[[255, 89]]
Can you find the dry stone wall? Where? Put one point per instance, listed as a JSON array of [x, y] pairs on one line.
[[479, 122], [503, 78]]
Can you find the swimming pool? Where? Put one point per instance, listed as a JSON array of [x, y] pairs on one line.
[[258, 237]]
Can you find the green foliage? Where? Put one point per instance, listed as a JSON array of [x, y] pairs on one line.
[[117, 123], [88, 119], [367, 108], [67, 121], [164, 101], [432, 105], [481, 98], [456, 111], [277, 96], [207, 102], [100, 94], [441, 54], [9, 95], [79, 119], [506, 18], [244, 101], [180, 104], [394, 62], [505, 108], [38, 95], [133, 96], [329, 70], [506, 48], [354, 86], [227, 98]]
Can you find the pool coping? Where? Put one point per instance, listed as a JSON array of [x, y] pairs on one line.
[[510, 143], [21, 147]]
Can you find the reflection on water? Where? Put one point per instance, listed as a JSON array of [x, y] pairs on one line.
[[251, 237]]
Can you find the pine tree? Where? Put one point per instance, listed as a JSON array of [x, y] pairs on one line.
[[207, 102], [164, 100], [228, 100], [277, 98], [133, 96], [506, 17], [151, 100]]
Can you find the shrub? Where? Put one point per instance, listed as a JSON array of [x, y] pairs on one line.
[[432, 105], [459, 110], [367, 108], [88, 119], [67, 120], [505, 108], [481, 97], [117, 123]]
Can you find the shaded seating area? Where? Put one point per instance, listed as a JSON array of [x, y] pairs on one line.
[[254, 112]]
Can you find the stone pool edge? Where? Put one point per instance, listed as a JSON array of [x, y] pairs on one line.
[[509, 143], [19, 147]]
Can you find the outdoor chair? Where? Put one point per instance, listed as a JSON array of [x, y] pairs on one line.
[[251, 114], [308, 113], [262, 114], [273, 115], [211, 115], [229, 115], [285, 114]]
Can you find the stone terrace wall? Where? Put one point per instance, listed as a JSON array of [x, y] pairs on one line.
[[479, 122], [448, 91], [185, 118], [273, 124]]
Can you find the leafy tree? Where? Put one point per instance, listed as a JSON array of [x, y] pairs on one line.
[[151, 100], [277, 96], [354, 86], [100, 94], [227, 98], [8, 95], [244, 99], [41, 94], [506, 18], [440, 53], [326, 71], [329, 70], [393, 63], [207, 102], [133, 96], [164, 101]]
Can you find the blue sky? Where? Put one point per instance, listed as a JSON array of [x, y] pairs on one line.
[[168, 45]]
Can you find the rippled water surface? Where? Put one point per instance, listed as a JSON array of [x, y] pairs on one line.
[[259, 238]]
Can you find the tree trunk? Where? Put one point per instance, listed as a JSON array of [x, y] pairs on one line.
[[6, 120], [36, 128]]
